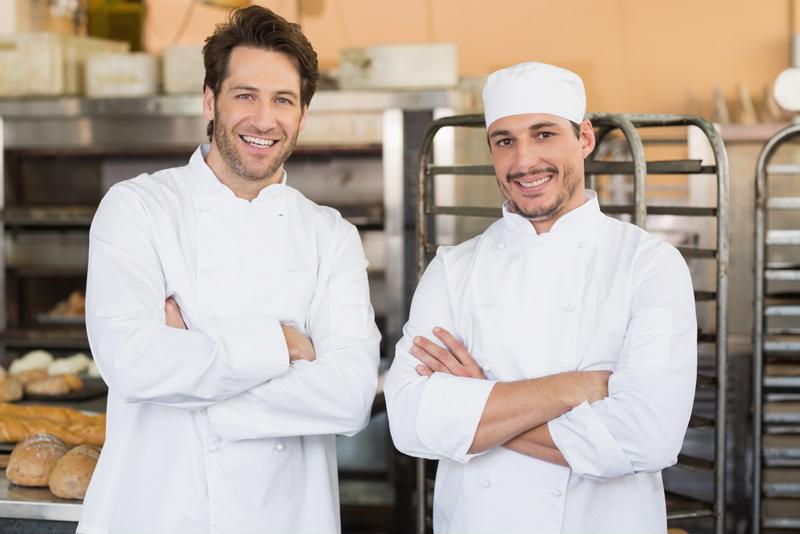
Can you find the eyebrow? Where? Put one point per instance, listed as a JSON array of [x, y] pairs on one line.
[[286, 92], [533, 127]]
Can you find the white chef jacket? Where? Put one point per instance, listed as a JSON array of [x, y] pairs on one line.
[[592, 294], [211, 429]]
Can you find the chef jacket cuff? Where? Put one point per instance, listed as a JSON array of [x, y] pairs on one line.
[[449, 412], [255, 346], [587, 445]]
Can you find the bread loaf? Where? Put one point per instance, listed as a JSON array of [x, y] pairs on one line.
[[71, 426], [77, 363], [58, 414], [32, 460], [73, 471], [73, 381], [35, 359], [10, 389], [31, 375], [54, 385]]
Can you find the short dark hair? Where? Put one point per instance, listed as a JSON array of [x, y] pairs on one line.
[[259, 27], [576, 128]]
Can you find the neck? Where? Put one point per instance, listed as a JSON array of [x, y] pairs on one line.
[[241, 187], [543, 225]]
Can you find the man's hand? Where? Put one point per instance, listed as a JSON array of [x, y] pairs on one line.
[[454, 359], [172, 312], [300, 347]]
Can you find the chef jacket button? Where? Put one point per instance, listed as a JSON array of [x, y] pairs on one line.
[[294, 269], [486, 368], [279, 447], [213, 448], [581, 245], [488, 304], [202, 208], [556, 493], [570, 308], [501, 246], [208, 270], [486, 483]]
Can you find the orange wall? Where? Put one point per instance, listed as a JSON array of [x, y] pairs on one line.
[[634, 55]]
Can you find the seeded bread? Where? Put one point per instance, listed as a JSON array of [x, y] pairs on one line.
[[73, 471], [32, 460]]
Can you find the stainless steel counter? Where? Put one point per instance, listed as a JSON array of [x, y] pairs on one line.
[[19, 502]]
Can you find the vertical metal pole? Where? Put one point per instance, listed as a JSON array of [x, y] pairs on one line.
[[393, 206], [3, 318]]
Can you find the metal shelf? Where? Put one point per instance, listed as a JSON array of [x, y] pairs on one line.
[[682, 507], [781, 482], [61, 338]]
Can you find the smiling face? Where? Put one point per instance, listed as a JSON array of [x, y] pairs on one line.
[[257, 117], [538, 161]]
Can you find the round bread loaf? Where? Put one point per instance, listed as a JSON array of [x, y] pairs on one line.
[[77, 363], [10, 389], [55, 385], [72, 473], [33, 458], [73, 381], [31, 375], [35, 359]]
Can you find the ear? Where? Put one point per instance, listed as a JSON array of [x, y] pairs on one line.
[[303, 118], [208, 104], [587, 139]]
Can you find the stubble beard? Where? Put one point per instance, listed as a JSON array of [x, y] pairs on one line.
[[230, 155], [544, 213]]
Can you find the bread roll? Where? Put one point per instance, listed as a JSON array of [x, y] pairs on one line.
[[75, 364], [54, 385], [31, 375], [93, 371], [71, 475], [10, 389], [35, 359], [32, 460], [73, 381]]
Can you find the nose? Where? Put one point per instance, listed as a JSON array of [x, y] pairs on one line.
[[264, 117], [527, 157]]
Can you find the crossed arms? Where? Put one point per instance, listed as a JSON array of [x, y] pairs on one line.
[[441, 406], [237, 368]]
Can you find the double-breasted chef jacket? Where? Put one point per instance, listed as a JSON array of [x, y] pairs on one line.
[[594, 293], [211, 429]]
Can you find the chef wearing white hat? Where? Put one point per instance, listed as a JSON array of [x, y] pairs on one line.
[[549, 363]]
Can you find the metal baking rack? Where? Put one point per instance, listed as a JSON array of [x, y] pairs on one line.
[[776, 365]]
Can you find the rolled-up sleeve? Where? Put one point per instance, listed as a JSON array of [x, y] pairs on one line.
[[334, 393], [432, 417], [141, 358], [640, 426]]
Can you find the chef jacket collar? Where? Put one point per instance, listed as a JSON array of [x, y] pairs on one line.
[[580, 219], [208, 183]]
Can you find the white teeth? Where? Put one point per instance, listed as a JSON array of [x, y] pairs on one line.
[[535, 183], [255, 141]]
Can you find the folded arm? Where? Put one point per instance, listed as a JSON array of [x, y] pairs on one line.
[[332, 394], [441, 406], [139, 356], [641, 424]]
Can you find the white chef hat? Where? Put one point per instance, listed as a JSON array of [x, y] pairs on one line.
[[534, 88]]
